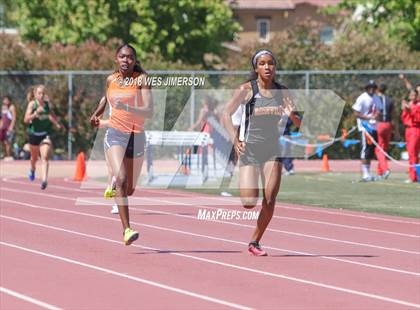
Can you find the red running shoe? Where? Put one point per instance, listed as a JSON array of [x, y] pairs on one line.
[[254, 249]]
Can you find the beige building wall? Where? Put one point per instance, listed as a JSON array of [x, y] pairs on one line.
[[280, 20]]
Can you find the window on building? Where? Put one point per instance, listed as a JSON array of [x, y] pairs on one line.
[[327, 35], [263, 29]]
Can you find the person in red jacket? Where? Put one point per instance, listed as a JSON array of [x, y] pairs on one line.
[[411, 119]]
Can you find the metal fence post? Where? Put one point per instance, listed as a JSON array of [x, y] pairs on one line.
[[307, 82], [192, 108], [70, 116]]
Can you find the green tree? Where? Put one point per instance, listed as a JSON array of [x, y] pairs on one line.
[[178, 30], [7, 20], [399, 18], [301, 48]]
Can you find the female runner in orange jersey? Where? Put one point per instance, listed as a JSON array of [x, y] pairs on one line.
[[131, 102]]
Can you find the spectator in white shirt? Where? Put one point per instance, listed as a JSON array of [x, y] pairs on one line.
[[364, 110]]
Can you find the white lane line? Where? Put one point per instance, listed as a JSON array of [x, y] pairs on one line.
[[306, 209], [214, 238], [133, 278], [348, 226], [28, 299], [353, 215], [144, 201], [271, 274], [243, 225], [296, 219], [298, 234]]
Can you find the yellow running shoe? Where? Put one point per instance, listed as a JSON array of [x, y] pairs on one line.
[[130, 236], [109, 193]]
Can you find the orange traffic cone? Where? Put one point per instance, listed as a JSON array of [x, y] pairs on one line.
[[80, 173], [325, 165]]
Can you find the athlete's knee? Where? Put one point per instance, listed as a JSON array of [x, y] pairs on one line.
[[249, 202], [121, 180], [269, 202], [130, 191]]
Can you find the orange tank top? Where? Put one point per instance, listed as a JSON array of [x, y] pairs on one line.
[[125, 95]]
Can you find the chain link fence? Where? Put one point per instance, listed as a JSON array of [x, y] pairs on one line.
[[75, 94]]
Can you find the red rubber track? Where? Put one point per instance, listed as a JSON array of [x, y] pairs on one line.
[[71, 256]]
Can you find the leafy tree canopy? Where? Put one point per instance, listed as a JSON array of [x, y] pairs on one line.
[[399, 18], [179, 30]]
